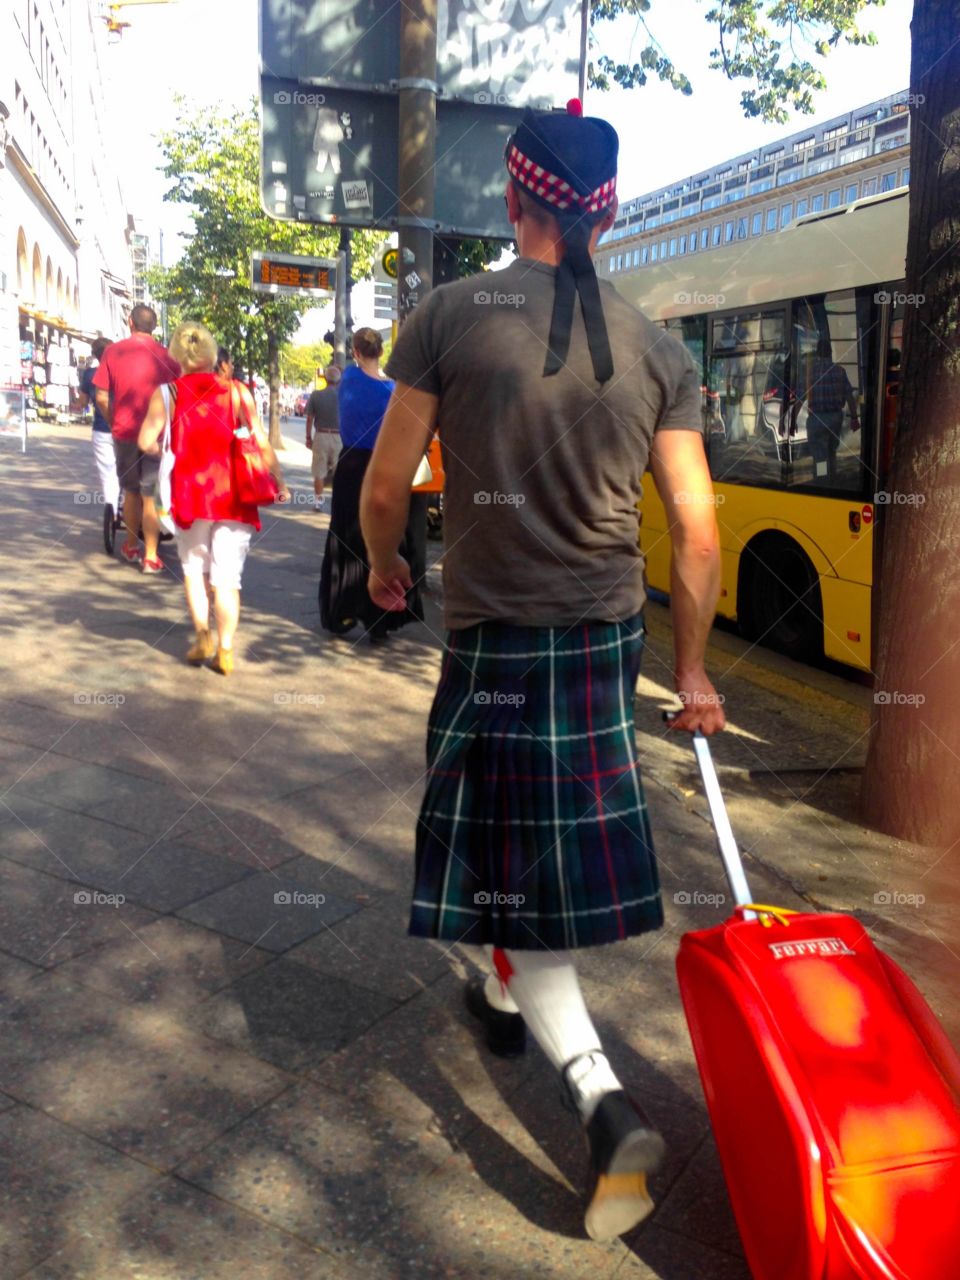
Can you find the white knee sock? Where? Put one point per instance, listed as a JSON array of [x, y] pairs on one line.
[[547, 992]]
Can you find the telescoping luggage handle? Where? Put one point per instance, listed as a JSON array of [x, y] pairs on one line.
[[721, 824]]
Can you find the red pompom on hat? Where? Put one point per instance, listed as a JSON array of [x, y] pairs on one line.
[[575, 107]]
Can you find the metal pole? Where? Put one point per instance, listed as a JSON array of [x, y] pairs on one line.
[[340, 305], [163, 305], [584, 36], [418, 140]]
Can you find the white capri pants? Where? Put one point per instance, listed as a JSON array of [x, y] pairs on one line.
[[106, 460], [217, 548]]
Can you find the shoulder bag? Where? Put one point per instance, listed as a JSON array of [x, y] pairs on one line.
[[253, 482]]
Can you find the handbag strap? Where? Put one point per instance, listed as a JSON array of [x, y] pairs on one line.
[[169, 397]]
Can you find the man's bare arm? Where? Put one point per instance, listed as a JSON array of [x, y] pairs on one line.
[[682, 477], [103, 404], [153, 424]]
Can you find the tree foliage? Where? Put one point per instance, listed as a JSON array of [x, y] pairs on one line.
[[300, 363], [213, 162], [771, 44]]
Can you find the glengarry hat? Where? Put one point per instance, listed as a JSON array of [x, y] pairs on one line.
[[568, 164]]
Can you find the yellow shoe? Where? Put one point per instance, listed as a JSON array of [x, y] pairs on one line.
[[201, 649], [223, 662]]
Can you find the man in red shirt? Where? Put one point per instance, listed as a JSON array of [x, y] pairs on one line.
[[128, 375]]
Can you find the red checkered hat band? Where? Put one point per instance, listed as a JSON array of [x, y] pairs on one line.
[[540, 182]]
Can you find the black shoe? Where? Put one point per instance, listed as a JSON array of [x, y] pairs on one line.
[[506, 1032], [624, 1148]]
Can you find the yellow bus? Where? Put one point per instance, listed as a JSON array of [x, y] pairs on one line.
[[764, 320]]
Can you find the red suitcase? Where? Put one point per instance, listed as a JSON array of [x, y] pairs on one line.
[[833, 1093]]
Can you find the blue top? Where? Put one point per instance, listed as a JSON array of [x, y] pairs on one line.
[[86, 386], [363, 402]]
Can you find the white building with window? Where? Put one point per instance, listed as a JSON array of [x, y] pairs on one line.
[[821, 167], [64, 253]]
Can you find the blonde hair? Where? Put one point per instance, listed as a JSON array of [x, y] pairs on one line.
[[193, 347]]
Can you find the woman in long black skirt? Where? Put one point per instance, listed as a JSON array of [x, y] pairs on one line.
[[344, 600]]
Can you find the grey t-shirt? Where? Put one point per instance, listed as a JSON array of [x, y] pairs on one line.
[[324, 407], [543, 475]]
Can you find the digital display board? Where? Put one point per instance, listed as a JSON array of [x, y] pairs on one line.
[[290, 275]]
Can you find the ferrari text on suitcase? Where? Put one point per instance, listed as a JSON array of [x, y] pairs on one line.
[[833, 1093]]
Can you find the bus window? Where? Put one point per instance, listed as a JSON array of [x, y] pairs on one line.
[[746, 393], [832, 345], [692, 332]]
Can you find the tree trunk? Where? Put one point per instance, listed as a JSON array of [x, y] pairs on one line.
[[273, 378], [911, 786]]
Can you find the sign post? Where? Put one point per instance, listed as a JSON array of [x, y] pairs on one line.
[[336, 74], [13, 413], [418, 147]]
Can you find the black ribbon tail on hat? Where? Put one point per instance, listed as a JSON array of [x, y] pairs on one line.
[[588, 287], [561, 322], [576, 277]]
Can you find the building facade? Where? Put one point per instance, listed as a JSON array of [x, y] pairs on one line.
[[821, 167], [65, 265]]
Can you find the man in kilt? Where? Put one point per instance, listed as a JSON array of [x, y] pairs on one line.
[[553, 394]]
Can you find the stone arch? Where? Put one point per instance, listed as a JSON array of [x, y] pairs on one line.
[[23, 263], [61, 309], [37, 275], [50, 296]]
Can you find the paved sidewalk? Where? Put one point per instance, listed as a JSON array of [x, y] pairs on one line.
[[220, 1056]]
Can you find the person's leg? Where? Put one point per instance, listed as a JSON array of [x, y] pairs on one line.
[[624, 1146], [545, 989], [132, 509], [151, 530], [331, 455], [229, 544], [128, 477], [149, 472], [193, 547], [198, 602], [106, 462], [317, 469], [226, 603]]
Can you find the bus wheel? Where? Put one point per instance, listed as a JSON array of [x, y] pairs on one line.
[[778, 598]]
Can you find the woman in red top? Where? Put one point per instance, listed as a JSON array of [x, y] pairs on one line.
[[213, 527]]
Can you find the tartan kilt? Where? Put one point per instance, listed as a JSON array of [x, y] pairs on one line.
[[533, 833]]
